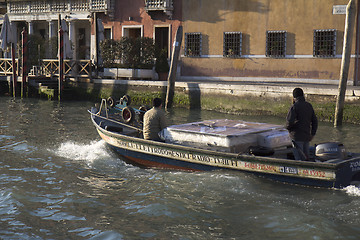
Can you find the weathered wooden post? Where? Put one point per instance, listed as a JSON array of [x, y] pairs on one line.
[[344, 72], [96, 51], [24, 63], [61, 63], [173, 68], [13, 68]]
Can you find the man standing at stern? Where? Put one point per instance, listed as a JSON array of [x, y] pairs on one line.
[[302, 124]]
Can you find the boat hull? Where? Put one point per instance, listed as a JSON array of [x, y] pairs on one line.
[[164, 155], [145, 160]]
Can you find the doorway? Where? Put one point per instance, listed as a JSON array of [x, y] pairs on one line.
[[162, 39]]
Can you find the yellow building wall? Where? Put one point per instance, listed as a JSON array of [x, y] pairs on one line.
[[253, 18]]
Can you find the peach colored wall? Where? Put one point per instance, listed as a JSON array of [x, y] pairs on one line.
[[253, 18]]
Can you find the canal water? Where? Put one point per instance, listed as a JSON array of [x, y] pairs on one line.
[[58, 180]]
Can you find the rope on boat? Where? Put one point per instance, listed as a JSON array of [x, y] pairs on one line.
[[114, 121]]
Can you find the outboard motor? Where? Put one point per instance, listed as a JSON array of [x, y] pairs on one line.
[[330, 150]]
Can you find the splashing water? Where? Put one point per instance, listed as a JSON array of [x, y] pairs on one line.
[[352, 190], [85, 152]]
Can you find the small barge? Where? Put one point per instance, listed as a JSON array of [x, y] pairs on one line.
[[257, 148]]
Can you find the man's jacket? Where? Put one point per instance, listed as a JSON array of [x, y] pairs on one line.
[[301, 121]]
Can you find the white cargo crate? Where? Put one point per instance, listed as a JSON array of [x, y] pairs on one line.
[[219, 134], [274, 139]]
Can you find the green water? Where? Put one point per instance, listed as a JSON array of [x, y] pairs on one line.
[[59, 181]]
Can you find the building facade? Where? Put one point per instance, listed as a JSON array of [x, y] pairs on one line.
[[223, 39], [41, 18], [158, 19], [277, 39]]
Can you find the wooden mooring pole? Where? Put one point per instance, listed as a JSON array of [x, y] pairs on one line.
[[96, 51], [61, 59], [24, 87], [173, 68], [344, 72], [14, 67]]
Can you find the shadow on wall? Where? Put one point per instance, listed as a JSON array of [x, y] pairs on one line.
[[290, 44], [194, 95], [115, 91], [219, 8], [119, 90]]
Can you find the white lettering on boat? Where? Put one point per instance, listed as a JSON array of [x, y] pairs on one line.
[[355, 166], [198, 157], [291, 170]]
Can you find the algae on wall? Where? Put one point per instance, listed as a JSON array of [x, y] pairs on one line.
[[242, 105]]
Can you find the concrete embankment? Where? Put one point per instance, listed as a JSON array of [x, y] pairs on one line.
[[236, 97], [270, 88]]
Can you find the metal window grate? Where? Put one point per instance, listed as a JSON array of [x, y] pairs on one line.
[[275, 43], [193, 44], [324, 43], [232, 44]]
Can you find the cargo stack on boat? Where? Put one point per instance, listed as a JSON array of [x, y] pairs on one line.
[[226, 135]]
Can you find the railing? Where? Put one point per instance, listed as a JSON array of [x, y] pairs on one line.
[[20, 7], [6, 66], [50, 67], [163, 5], [158, 4], [72, 68]]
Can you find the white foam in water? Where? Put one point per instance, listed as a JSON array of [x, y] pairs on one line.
[[352, 190], [85, 152]]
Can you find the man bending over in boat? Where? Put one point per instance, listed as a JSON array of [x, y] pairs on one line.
[[154, 121], [301, 122]]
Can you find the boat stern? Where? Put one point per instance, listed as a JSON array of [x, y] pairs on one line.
[[348, 173]]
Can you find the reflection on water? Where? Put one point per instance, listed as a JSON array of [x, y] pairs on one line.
[[58, 180]]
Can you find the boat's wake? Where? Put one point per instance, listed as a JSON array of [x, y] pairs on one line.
[[353, 190], [95, 150]]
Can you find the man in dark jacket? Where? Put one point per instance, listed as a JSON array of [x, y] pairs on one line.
[[301, 122]]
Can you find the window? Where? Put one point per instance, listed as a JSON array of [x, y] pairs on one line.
[[132, 31], [193, 44], [275, 43], [107, 33], [324, 43], [232, 44]]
